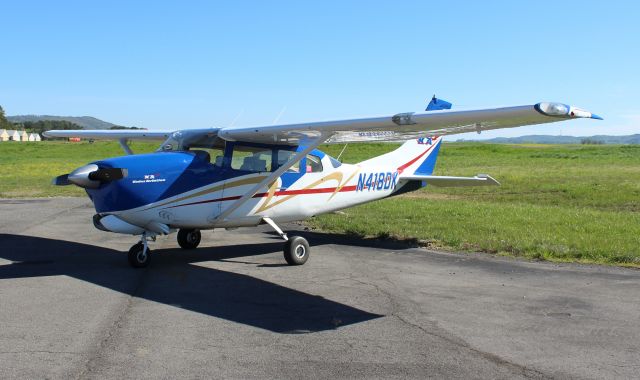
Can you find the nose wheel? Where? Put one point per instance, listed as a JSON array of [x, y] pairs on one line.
[[139, 255]]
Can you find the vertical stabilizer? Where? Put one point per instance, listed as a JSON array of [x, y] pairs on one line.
[[417, 156]]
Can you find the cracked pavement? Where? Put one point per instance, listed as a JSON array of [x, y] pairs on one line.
[[71, 307]]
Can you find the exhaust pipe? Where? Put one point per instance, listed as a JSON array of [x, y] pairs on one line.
[[112, 223]]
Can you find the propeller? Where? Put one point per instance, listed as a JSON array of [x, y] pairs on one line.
[[61, 180], [90, 176], [108, 174]]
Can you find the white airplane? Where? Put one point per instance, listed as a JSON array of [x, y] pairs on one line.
[[231, 177]]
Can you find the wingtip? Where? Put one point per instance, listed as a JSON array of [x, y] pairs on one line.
[[594, 116]]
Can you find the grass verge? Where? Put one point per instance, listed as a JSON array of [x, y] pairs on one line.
[[557, 202]]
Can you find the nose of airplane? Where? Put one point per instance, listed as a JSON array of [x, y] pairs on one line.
[[90, 176], [127, 182]]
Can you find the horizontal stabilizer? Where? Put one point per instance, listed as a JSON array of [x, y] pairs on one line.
[[446, 181]]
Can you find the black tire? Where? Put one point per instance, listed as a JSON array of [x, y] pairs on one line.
[[136, 258], [189, 238], [296, 250]]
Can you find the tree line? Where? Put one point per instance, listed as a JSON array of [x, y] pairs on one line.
[[44, 125], [4, 123]]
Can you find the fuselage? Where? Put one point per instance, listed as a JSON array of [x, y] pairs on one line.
[[190, 189]]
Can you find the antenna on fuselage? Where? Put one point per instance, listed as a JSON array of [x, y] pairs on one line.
[[236, 118], [342, 151]]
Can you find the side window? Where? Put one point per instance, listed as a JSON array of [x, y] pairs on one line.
[[217, 157], [284, 156], [251, 159], [213, 155], [314, 165]]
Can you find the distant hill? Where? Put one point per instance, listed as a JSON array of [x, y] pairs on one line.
[[86, 122], [547, 139]]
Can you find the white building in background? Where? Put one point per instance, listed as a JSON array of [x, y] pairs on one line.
[[13, 135]]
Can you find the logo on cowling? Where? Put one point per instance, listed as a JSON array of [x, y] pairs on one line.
[[149, 178]]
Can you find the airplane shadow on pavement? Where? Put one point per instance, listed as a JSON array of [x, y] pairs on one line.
[[172, 280]]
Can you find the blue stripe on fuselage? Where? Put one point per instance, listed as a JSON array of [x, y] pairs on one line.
[[154, 177], [427, 166]]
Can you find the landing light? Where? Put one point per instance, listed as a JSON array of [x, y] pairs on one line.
[[553, 109]]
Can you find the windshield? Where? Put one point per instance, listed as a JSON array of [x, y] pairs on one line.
[[192, 139]]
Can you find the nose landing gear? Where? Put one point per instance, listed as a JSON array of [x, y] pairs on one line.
[[296, 248], [140, 254]]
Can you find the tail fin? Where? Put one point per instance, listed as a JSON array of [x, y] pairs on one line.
[[414, 157]]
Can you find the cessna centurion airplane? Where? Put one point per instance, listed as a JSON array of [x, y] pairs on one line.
[[201, 179]]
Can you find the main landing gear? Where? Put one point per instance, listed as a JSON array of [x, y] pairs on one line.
[[296, 249], [189, 238]]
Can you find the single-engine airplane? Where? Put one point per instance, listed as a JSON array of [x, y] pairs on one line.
[[201, 179]]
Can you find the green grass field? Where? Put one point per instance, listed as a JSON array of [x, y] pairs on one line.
[[557, 202], [27, 168]]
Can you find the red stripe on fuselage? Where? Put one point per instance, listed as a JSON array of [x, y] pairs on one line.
[[401, 168], [277, 193]]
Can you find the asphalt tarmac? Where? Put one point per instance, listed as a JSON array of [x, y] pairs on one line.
[[71, 307]]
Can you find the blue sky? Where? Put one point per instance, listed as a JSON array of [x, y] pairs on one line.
[[174, 65]]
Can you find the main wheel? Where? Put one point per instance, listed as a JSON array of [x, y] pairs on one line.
[[137, 257], [296, 250], [189, 238]]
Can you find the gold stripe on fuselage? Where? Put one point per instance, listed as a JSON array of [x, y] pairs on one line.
[[337, 176], [227, 185]]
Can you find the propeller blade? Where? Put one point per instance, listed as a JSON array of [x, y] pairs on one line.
[[108, 174], [61, 180]]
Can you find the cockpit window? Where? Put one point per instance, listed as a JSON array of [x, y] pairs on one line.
[[251, 159], [192, 139], [203, 142], [286, 155], [314, 164]]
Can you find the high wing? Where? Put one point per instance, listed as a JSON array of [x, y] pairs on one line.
[[120, 134], [406, 126], [402, 126], [110, 134]]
